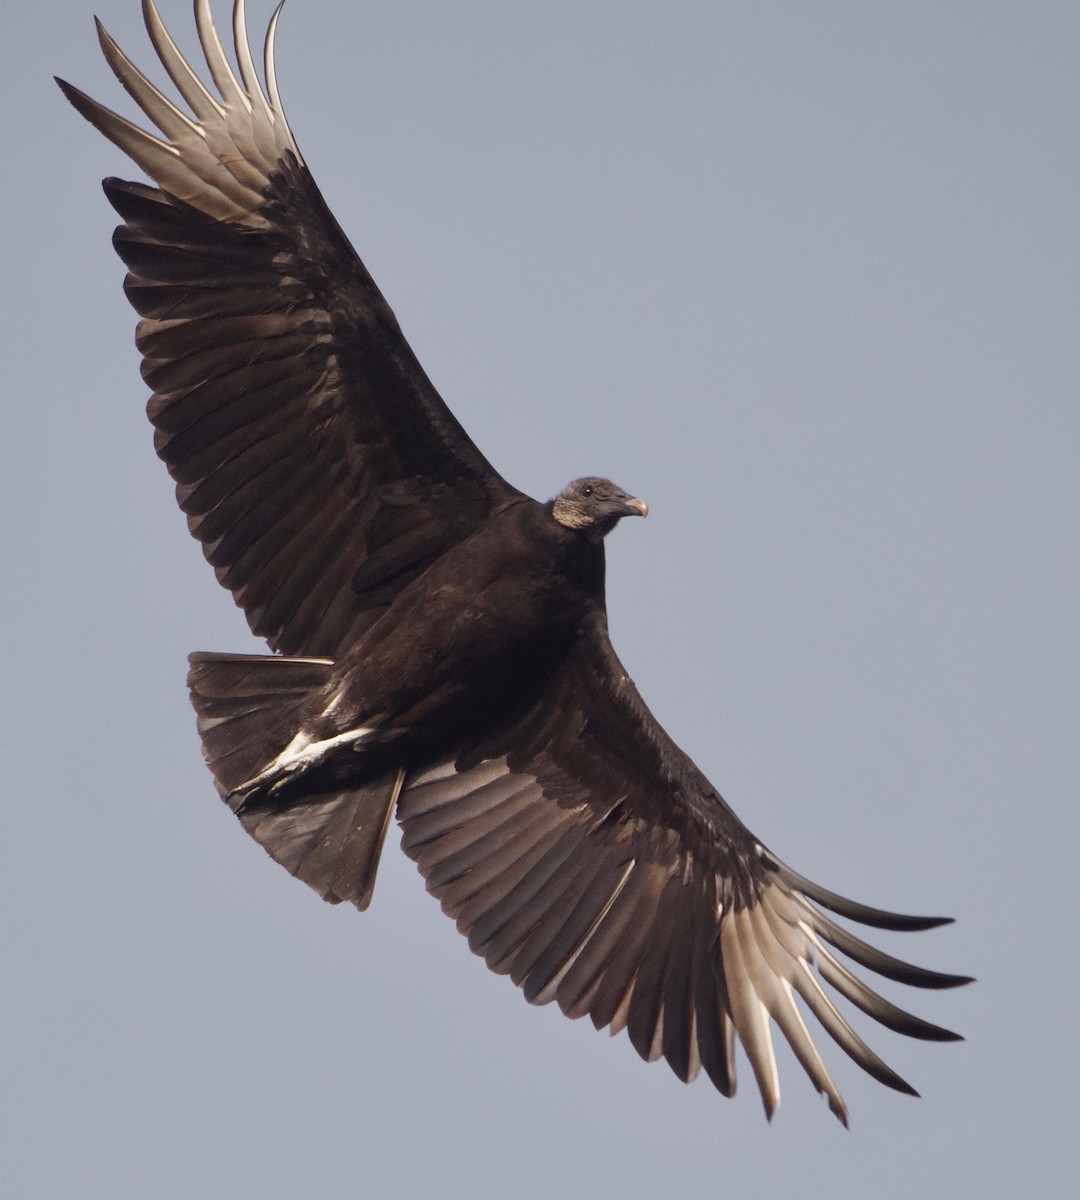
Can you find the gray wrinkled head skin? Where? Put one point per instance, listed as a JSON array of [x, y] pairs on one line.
[[595, 506]]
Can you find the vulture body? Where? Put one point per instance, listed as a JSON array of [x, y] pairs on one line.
[[440, 640]]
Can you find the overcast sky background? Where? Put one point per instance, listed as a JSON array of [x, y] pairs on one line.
[[803, 275]]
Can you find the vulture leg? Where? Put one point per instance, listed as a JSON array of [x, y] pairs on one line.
[[299, 757]]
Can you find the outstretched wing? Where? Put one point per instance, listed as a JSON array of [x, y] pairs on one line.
[[315, 461], [585, 855]]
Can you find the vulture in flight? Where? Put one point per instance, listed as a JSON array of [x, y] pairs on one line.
[[440, 643]]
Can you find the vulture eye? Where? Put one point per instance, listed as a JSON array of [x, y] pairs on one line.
[[587, 490]]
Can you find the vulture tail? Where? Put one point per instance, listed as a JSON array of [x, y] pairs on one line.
[[249, 707]]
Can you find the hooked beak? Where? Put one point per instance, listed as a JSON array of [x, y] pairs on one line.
[[637, 506]]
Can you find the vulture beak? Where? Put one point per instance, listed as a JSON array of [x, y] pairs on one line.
[[637, 506]]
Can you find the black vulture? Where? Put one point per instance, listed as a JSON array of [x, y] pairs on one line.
[[440, 644]]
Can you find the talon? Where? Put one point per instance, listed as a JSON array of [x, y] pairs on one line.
[[298, 757]]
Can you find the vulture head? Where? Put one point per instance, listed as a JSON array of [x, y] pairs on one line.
[[594, 506]]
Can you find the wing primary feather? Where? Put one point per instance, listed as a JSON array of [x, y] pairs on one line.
[[173, 122], [749, 1015], [885, 1013], [146, 149], [250, 76], [877, 960], [199, 98], [841, 1032], [229, 172], [286, 138], [792, 932], [863, 913], [216, 60], [771, 965]]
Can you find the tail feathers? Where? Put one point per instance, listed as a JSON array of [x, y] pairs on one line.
[[249, 707], [332, 841]]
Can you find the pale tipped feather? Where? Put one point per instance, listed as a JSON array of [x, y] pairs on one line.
[[541, 901], [749, 1014], [220, 70], [220, 158]]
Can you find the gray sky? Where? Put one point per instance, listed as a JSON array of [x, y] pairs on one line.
[[803, 275]]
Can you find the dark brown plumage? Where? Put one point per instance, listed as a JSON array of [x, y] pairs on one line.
[[442, 640]]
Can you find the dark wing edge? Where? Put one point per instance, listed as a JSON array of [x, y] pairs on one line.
[[315, 461], [587, 858]]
